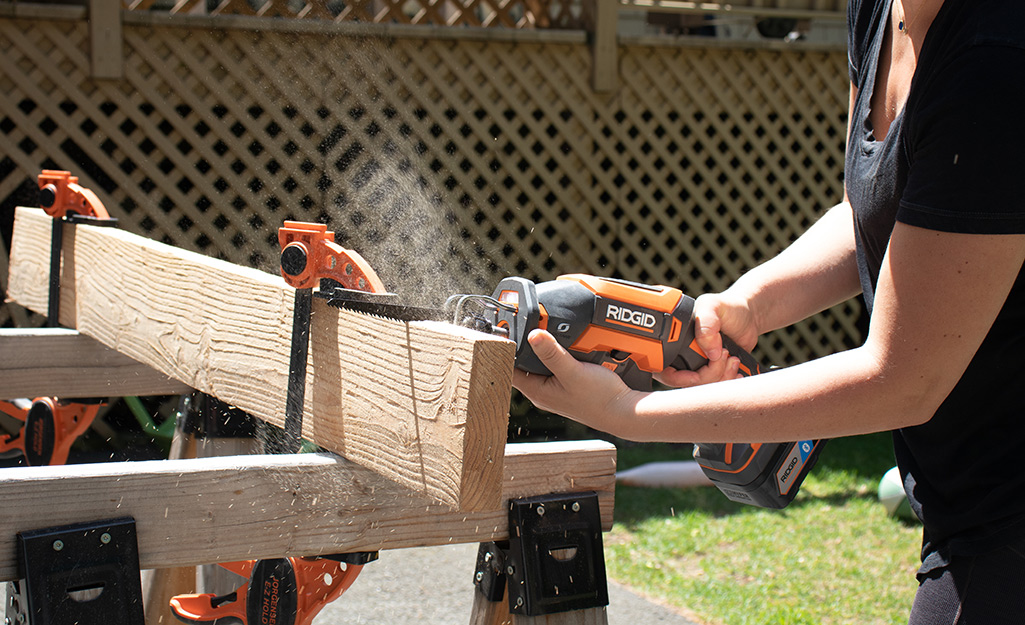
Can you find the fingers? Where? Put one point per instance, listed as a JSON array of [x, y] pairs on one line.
[[585, 392], [550, 353], [725, 368], [707, 328], [553, 356]]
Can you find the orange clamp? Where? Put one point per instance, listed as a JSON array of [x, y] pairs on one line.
[[309, 253], [61, 195], [50, 427], [285, 590]]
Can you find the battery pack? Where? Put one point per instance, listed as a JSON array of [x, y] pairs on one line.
[[767, 475]]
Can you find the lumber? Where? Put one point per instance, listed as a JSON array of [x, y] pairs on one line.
[[106, 40], [195, 511], [424, 404], [15, 312], [58, 362]]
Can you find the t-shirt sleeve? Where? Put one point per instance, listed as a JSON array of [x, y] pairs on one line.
[[966, 145]]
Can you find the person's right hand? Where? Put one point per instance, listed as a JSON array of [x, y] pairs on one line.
[[716, 314]]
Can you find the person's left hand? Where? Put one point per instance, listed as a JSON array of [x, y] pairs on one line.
[[584, 392]]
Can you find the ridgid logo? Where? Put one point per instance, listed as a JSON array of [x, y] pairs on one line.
[[638, 318]]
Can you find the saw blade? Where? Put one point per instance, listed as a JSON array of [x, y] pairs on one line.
[[380, 305]]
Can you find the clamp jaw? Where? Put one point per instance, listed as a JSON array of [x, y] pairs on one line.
[[286, 591], [309, 258], [309, 254], [61, 196], [50, 427]]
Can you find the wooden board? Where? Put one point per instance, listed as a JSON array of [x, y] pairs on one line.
[[58, 362], [425, 404], [190, 512]]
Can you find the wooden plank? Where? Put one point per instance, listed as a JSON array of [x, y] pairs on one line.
[[605, 47], [190, 512], [425, 404], [15, 312], [105, 39], [57, 362]]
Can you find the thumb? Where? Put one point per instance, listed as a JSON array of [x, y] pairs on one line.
[[709, 340], [707, 327], [550, 353]]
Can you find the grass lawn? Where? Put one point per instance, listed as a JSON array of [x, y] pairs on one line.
[[833, 556]]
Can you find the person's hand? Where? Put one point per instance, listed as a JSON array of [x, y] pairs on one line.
[[716, 314], [584, 392]]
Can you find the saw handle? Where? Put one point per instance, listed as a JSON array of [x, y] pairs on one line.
[[692, 357]]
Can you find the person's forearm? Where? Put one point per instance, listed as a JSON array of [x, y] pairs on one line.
[[917, 349], [816, 271], [839, 395]]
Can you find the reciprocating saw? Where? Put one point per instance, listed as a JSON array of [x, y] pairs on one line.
[[637, 330]]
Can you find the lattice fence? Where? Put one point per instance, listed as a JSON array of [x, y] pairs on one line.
[[480, 13], [448, 162]]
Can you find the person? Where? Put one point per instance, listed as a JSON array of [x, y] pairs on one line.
[[931, 230]]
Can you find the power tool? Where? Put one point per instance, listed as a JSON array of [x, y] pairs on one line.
[[633, 329], [637, 330]]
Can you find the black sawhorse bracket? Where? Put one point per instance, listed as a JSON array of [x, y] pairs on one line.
[[554, 560], [85, 574]]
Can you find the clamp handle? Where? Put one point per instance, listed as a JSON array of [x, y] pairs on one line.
[[61, 195], [294, 589], [309, 253], [50, 427]]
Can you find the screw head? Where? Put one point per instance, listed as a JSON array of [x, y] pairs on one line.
[[480, 576], [575, 507], [540, 511], [105, 538], [58, 545], [519, 602], [510, 570]]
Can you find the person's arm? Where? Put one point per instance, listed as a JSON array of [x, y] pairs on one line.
[[937, 296], [816, 271]]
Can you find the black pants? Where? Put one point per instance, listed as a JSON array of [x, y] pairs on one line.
[[987, 589]]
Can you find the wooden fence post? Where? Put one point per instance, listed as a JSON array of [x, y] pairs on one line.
[[604, 46], [105, 39]]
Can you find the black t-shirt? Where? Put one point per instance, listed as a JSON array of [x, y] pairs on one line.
[[953, 160]]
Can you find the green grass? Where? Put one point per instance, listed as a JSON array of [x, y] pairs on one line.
[[833, 556]]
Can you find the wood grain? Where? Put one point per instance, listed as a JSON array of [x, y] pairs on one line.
[[58, 362], [425, 404], [190, 512]]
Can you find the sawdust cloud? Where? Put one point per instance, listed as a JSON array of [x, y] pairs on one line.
[[390, 203], [403, 230], [386, 199]]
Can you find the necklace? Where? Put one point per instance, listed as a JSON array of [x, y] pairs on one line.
[[903, 25]]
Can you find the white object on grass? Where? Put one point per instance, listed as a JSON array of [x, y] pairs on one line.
[[681, 474]]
